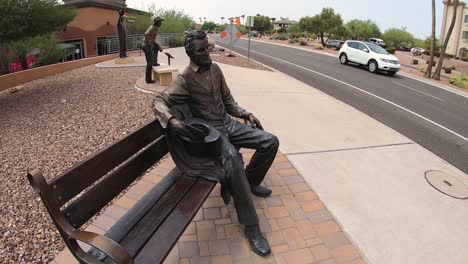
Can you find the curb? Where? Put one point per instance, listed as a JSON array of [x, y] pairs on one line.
[[441, 86]]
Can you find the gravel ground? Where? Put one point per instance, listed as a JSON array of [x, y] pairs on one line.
[[51, 124], [240, 61]]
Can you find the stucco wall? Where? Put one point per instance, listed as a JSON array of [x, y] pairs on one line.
[[90, 23], [13, 79]]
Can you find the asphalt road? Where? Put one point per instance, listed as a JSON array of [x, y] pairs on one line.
[[433, 117]]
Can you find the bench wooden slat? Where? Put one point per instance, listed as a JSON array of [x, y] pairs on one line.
[[91, 202], [143, 231], [81, 176], [126, 223], [160, 244]]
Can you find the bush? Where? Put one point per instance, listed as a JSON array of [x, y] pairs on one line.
[[415, 61], [303, 43], [281, 30], [292, 41], [283, 38], [296, 40], [460, 80], [391, 50], [423, 69], [176, 42], [319, 46]]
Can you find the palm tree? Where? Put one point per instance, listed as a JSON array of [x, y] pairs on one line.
[[436, 75], [243, 16], [431, 60], [222, 20]]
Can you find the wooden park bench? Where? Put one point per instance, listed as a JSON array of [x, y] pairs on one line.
[[163, 73], [149, 230]]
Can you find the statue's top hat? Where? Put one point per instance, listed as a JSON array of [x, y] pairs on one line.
[[205, 140]]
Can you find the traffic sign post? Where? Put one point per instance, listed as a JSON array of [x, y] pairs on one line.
[[232, 35], [250, 23]]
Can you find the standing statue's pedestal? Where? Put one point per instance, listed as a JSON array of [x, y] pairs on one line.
[[163, 74], [126, 60]]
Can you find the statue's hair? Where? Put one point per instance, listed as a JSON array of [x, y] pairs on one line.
[[190, 38]]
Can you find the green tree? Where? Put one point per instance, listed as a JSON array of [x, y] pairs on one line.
[[397, 37], [427, 44], [29, 18], [324, 25], [294, 28], [363, 29], [142, 22], [221, 28], [175, 21], [45, 46], [418, 43], [262, 24], [209, 26]]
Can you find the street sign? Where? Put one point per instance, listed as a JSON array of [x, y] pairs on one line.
[[231, 33], [250, 21]]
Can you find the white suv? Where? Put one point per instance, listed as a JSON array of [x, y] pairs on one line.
[[370, 54]]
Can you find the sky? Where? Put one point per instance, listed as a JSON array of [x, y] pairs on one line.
[[415, 15]]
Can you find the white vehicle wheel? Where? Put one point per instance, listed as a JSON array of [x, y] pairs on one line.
[[343, 58], [373, 67]]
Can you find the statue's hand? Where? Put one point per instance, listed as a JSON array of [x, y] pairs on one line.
[[179, 127], [254, 122]]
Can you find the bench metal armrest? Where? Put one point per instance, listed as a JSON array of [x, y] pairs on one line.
[[112, 249]]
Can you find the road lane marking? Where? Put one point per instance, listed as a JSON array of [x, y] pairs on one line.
[[362, 90], [429, 82], [418, 91]]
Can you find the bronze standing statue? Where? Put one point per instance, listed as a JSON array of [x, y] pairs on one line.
[[122, 34], [152, 48], [202, 89]]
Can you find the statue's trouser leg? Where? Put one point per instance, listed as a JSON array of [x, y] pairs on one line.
[[238, 184], [265, 144], [155, 49], [122, 46], [149, 64]]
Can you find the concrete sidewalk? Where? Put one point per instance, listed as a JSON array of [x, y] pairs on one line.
[[368, 176]]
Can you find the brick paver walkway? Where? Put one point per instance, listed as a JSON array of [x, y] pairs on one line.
[[298, 226]]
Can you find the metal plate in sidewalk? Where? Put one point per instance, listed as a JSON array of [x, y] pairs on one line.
[[447, 184]]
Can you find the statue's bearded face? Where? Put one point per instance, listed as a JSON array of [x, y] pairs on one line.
[[201, 53]]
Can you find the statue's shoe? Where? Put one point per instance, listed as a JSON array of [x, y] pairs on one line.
[[151, 81], [261, 191], [157, 64], [257, 241]]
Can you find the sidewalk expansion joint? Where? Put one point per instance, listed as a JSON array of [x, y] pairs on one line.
[[348, 149]]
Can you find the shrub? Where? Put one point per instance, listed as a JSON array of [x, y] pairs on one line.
[[415, 61], [433, 63], [391, 50], [176, 42], [423, 69], [283, 38], [303, 43], [281, 30], [296, 40], [319, 46], [460, 80], [291, 41]]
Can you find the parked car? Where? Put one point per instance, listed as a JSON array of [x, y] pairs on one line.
[[403, 48], [367, 53], [377, 41], [281, 37], [417, 50], [334, 43]]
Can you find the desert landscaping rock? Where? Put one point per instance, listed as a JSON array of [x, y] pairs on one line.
[[51, 124]]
